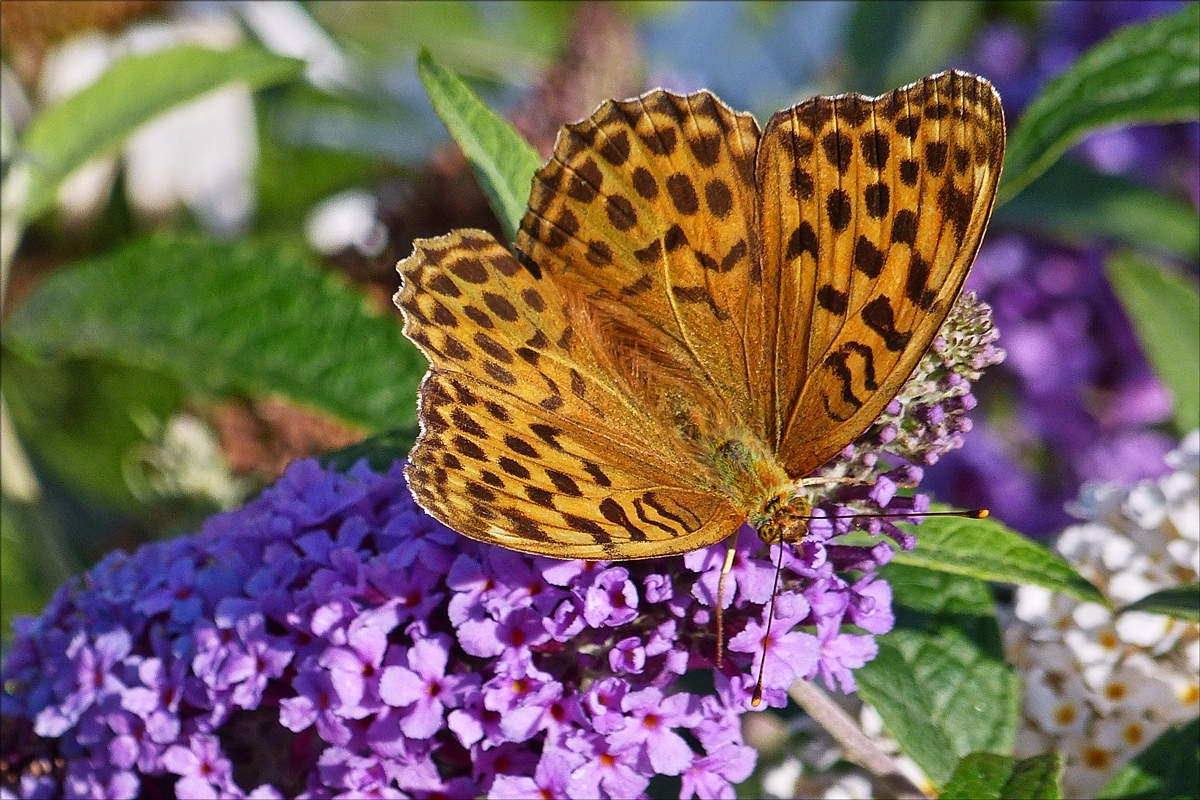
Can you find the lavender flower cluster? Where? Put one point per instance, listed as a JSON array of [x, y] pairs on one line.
[[1083, 399], [924, 422], [330, 639]]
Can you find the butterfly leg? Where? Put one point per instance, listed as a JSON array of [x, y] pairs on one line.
[[725, 568]]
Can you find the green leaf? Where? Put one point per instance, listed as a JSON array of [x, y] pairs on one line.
[[24, 582], [83, 418], [885, 683], [503, 161], [229, 318], [986, 776], [940, 681], [381, 451], [990, 551], [1142, 73], [936, 31], [1074, 203], [1180, 602], [873, 33], [1169, 768], [97, 120], [889, 44], [292, 177], [1165, 311], [507, 43]]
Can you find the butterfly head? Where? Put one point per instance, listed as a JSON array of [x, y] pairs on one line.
[[783, 517]]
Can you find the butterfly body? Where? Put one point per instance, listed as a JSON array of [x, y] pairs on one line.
[[696, 317]]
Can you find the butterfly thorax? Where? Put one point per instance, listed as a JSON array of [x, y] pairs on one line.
[[750, 475]]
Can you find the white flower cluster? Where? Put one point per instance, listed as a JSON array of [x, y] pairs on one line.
[[1101, 686]]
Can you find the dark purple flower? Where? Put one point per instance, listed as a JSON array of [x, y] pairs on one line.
[[316, 702], [1083, 393], [172, 591]]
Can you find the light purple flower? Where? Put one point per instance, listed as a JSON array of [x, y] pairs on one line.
[[713, 777], [203, 769], [840, 654], [551, 779], [789, 654], [611, 599], [604, 772], [90, 677], [424, 687], [347, 645], [649, 728]]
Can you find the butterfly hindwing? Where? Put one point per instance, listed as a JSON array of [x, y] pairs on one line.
[[525, 442]]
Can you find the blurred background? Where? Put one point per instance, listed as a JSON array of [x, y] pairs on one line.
[[111, 444]]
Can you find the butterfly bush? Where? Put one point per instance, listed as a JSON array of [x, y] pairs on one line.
[[330, 639], [1099, 686]]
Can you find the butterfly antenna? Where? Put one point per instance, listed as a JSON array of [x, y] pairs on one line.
[[729, 554], [756, 697], [976, 513]]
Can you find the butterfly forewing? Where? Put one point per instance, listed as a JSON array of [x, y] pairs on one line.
[[873, 210], [648, 206], [525, 442]]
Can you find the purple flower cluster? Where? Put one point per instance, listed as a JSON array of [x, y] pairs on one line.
[[1076, 400], [1082, 396], [926, 421], [330, 639]]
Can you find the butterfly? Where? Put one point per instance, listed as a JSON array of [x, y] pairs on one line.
[[696, 316]]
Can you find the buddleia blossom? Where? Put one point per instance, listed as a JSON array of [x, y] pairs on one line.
[[1100, 687], [926, 420], [330, 639]]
